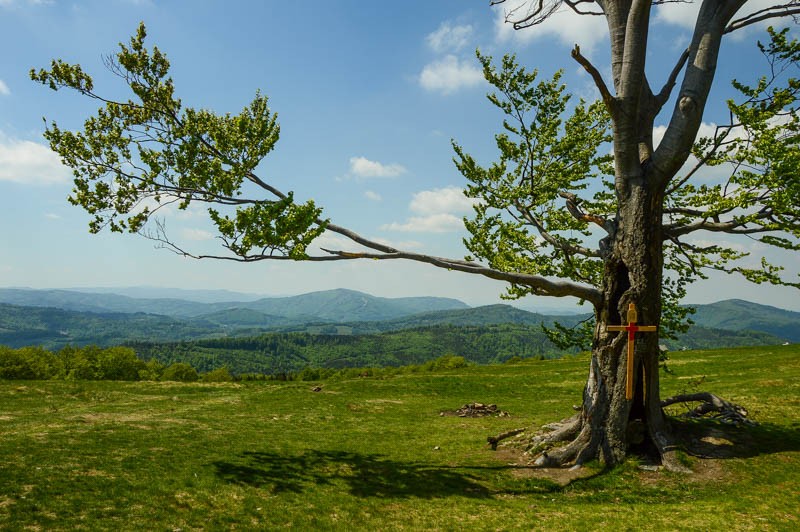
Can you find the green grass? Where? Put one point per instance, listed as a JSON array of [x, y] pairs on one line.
[[375, 454]]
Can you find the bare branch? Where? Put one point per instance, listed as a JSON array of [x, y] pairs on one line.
[[666, 90], [540, 10], [789, 9], [608, 98]]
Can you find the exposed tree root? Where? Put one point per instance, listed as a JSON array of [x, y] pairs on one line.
[[722, 410], [573, 451], [568, 430], [494, 440], [581, 443], [572, 443]]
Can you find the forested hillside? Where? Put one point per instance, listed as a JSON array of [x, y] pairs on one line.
[[284, 352], [53, 328], [737, 315], [288, 352]]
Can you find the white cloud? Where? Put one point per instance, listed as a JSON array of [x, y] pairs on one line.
[[370, 195], [363, 167], [196, 234], [52, 216], [449, 38], [4, 90], [564, 25], [450, 74], [678, 14], [30, 163], [435, 223], [438, 210], [441, 200]]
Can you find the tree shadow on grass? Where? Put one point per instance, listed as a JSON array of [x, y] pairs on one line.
[[364, 475], [706, 438]]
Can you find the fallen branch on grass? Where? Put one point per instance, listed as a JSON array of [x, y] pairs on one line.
[[722, 410]]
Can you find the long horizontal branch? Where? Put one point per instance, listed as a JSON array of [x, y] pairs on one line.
[[731, 227], [699, 213], [540, 285]]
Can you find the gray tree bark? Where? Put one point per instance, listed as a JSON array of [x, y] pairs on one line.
[[634, 264]]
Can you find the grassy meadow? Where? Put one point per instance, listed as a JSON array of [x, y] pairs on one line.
[[376, 454]]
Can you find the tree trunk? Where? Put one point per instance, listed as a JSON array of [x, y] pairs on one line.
[[633, 274], [609, 425]]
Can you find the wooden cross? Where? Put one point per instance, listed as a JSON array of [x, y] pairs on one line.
[[632, 329]]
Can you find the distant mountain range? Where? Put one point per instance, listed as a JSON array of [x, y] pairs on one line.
[[329, 305], [57, 317]]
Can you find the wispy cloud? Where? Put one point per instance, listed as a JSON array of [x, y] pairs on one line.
[[449, 75], [30, 163], [398, 244], [16, 3], [449, 38], [371, 195], [196, 234], [4, 90], [363, 167]]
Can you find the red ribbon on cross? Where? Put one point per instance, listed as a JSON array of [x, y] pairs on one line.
[[632, 329]]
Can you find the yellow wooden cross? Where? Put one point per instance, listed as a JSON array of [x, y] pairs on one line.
[[632, 329]]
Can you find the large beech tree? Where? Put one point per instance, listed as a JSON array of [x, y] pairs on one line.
[[556, 214]]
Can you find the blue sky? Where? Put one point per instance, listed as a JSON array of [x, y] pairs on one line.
[[368, 95]]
